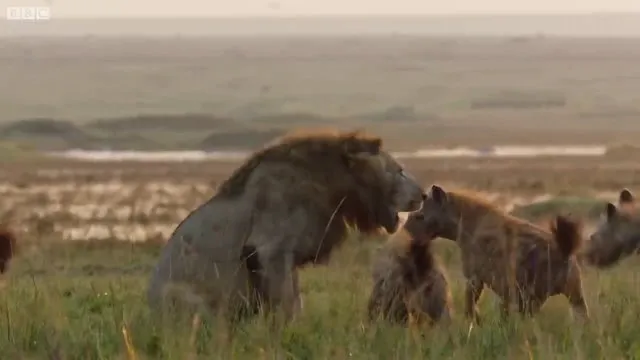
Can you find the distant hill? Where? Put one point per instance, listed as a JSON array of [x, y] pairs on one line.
[[50, 134], [239, 140], [47, 134], [161, 122], [156, 132]]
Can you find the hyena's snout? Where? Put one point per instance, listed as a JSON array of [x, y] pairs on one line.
[[417, 203]]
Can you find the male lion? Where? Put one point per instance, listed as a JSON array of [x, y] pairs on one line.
[[409, 284], [618, 236], [288, 205], [509, 255]]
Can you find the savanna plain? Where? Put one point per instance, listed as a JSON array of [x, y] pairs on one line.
[[89, 233]]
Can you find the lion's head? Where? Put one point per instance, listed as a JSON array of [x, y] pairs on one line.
[[351, 174], [383, 186]]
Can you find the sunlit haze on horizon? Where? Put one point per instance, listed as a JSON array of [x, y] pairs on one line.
[[227, 8], [613, 18]]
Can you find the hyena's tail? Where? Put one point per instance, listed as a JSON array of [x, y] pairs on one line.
[[7, 249], [567, 233]]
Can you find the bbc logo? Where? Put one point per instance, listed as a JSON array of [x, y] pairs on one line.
[[28, 13]]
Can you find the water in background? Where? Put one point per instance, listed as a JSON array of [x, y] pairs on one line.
[[495, 151]]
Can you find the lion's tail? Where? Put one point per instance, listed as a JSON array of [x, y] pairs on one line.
[[567, 234], [7, 249]]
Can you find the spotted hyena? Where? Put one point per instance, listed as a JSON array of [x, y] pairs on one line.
[[618, 235], [521, 262], [410, 286]]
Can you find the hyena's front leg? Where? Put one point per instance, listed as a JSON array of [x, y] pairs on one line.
[[527, 305], [436, 300], [579, 307], [573, 292], [578, 303], [506, 303], [473, 291]]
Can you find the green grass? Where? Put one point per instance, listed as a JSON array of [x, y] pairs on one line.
[[72, 301], [580, 207]]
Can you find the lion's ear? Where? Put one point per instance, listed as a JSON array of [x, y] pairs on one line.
[[626, 197], [439, 194], [356, 144]]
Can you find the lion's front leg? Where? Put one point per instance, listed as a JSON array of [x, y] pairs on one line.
[[282, 285], [298, 304]]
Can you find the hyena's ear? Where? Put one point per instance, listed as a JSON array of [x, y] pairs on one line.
[[438, 194], [626, 197], [611, 211]]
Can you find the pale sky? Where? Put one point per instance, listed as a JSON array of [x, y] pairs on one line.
[[209, 8]]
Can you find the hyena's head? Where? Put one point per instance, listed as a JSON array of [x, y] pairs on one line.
[[618, 235], [438, 217]]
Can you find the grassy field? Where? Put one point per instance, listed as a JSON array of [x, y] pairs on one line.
[[90, 232], [68, 299]]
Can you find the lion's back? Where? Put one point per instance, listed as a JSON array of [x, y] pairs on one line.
[[205, 248]]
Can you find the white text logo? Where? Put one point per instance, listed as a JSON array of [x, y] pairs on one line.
[[28, 13]]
